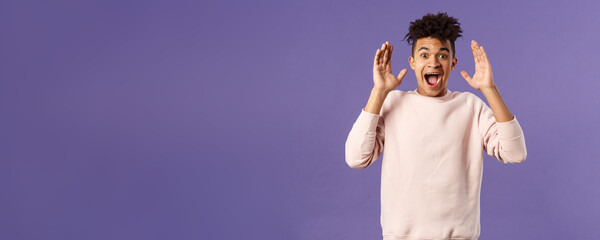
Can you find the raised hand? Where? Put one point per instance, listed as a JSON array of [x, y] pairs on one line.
[[383, 78], [483, 77]]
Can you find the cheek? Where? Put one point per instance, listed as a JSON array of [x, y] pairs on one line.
[[418, 70], [449, 66]]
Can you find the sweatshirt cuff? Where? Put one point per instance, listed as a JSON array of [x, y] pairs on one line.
[[510, 129], [367, 121]]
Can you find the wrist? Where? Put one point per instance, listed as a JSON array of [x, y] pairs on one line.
[[380, 91], [376, 100], [489, 89]]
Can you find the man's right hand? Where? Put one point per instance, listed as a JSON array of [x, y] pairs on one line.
[[383, 78]]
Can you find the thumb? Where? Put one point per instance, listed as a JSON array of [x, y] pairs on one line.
[[402, 73], [465, 75]]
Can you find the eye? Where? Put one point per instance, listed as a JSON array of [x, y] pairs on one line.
[[443, 56], [424, 55]]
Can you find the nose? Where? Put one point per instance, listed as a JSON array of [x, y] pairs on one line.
[[433, 62]]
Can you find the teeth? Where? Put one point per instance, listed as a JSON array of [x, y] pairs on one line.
[[434, 74]]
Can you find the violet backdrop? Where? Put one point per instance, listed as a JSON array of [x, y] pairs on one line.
[[227, 119]]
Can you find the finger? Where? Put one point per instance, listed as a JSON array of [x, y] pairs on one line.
[[481, 57], [385, 54], [465, 75], [380, 56], [390, 57], [479, 53], [485, 57], [474, 51], [402, 74], [376, 59]]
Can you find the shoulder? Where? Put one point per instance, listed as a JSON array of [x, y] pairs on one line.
[[466, 95], [393, 100], [395, 94], [469, 98]]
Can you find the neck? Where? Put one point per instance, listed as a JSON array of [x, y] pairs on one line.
[[439, 95]]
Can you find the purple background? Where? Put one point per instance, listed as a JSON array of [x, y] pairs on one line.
[[227, 120]]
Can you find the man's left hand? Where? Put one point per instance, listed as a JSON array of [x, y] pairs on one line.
[[483, 78]]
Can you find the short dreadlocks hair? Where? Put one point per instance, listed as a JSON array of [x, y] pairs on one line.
[[440, 26]]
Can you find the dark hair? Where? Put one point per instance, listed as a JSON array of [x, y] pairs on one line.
[[440, 26]]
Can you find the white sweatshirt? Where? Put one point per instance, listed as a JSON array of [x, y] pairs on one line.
[[432, 164]]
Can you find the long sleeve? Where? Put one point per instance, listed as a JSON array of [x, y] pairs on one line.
[[432, 164], [502, 140], [365, 140]]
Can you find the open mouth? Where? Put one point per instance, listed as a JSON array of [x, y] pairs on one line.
[[432, 79]]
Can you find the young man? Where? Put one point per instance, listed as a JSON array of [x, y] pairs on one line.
[[432, 164]]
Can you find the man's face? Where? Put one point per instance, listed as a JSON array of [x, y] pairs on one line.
[[432, 63]]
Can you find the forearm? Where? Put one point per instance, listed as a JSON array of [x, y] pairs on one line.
[[365, 140], [376, 101], [501, 112]]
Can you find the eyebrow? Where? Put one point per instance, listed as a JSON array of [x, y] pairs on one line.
[[441, 49]]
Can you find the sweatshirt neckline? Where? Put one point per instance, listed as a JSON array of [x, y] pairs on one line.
[[445, 97]]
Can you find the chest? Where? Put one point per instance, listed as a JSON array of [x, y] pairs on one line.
[[435, 126]]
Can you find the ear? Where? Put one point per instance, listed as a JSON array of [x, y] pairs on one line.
[[411, 62], [454, 61]]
